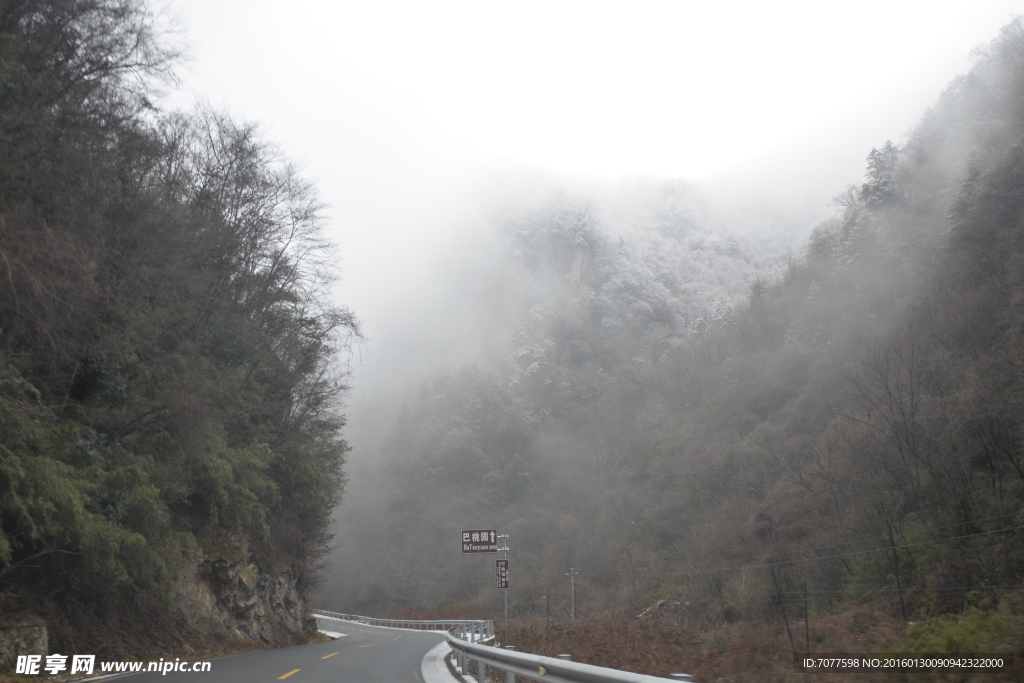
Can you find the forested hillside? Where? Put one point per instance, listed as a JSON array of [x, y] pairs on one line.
[[843, 439], [169, 434]]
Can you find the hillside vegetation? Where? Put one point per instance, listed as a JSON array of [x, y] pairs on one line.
[[168, 386], [845, 439]]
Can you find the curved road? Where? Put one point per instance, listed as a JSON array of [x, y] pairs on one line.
[[367, 654]]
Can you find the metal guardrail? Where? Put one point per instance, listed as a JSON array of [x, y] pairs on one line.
[[538, 668], [480, 629], [467, 637]]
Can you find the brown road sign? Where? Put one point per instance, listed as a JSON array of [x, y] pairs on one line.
[[501, 574], [479, 541]]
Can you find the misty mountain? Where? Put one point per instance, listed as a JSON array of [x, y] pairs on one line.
[[682, 416], [594, 289]]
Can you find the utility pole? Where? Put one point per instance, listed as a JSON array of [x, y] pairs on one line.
[[504, 549], [807, 620], [572, 583]]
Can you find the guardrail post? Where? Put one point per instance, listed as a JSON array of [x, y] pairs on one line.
[[480, 668], [460, 657], [509, 676]]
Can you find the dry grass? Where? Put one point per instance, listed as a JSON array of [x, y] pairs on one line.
[[749, 652]]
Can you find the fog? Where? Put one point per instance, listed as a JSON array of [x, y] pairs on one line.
[[420, 123], [406, 114]]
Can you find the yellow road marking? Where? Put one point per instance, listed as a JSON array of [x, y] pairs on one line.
[[370, 645], [394, 639], [330, 655], [281, 678]]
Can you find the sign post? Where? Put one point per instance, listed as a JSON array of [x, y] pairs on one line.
[[501, 572], [476, 541]]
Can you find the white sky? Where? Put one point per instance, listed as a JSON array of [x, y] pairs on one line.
[[674, 88], [395, 109]]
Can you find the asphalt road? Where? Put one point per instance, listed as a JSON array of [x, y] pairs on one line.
[[368, 654]]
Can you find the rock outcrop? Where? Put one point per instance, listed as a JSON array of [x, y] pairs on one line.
[[226, 591], [22, 637]]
